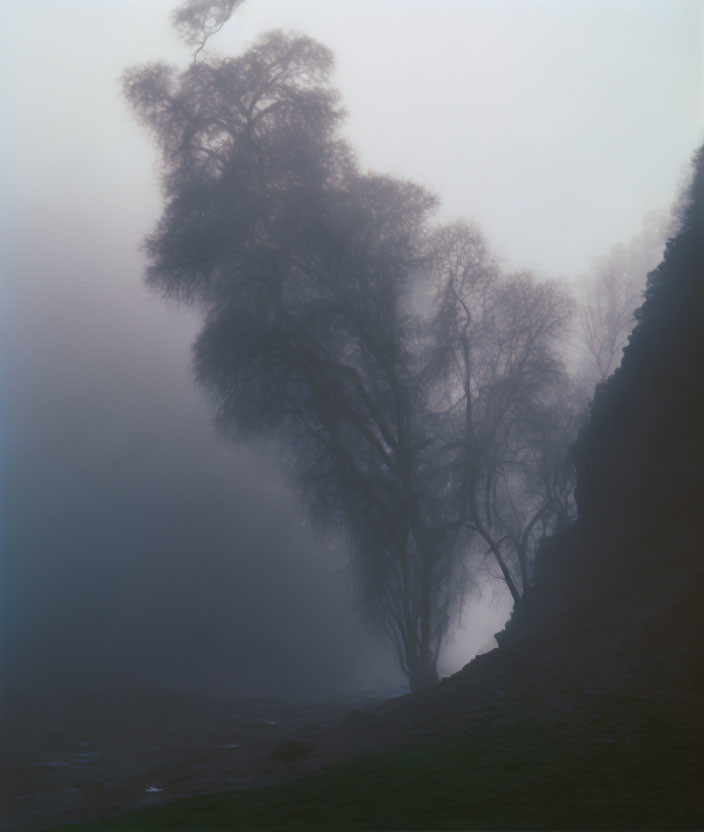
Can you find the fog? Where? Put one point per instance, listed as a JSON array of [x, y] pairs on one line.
[[137, 547]]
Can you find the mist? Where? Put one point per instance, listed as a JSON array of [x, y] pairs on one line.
[[350, 413], [138, 547]]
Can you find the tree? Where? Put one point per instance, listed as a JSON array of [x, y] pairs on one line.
[[608, 297], [508, 425], [407, 428]]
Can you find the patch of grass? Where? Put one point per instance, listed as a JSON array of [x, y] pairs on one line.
[[529, 775]]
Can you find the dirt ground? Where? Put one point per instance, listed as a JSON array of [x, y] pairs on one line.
[[96, 755]]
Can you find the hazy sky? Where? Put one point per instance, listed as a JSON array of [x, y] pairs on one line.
[[545, 121], [555, 125]]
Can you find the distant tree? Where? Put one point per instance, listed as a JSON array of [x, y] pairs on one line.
[[648, 414], [507, 425], [415, 428], [608, 297]]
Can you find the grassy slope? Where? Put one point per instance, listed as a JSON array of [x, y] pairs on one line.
[[523, 773]]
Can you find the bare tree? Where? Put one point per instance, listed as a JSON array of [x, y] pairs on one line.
[[609, 295]]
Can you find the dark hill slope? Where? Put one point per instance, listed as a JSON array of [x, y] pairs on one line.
[[607, 652], [618, 602], [640, 459], [590, 715], [643, 446]]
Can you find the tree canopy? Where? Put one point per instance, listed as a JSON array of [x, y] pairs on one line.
[[609, 295], [198, 20]]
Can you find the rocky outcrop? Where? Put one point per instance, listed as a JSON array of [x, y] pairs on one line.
[[644, 444], [640, 458]]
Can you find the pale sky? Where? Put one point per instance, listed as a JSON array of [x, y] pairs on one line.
[[555, 124]]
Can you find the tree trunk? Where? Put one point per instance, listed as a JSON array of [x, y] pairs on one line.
[[515, 594], [426, 673], [423, 674]]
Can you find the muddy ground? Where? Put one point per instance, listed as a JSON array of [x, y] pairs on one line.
[[100, 754]]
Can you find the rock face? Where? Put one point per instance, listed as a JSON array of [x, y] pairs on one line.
[[643, 446], [640, 459]]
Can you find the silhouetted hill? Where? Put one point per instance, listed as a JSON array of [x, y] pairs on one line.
[[643, 446], [590, 715], [594, 700], [606, 654], [640, 458]]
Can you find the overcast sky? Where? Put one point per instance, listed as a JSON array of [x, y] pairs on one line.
[[554, 120], [555, 125]]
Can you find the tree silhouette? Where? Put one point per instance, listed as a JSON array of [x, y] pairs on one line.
[[404, 372]]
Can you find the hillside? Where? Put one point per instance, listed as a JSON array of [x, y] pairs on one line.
[[590, 713]]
